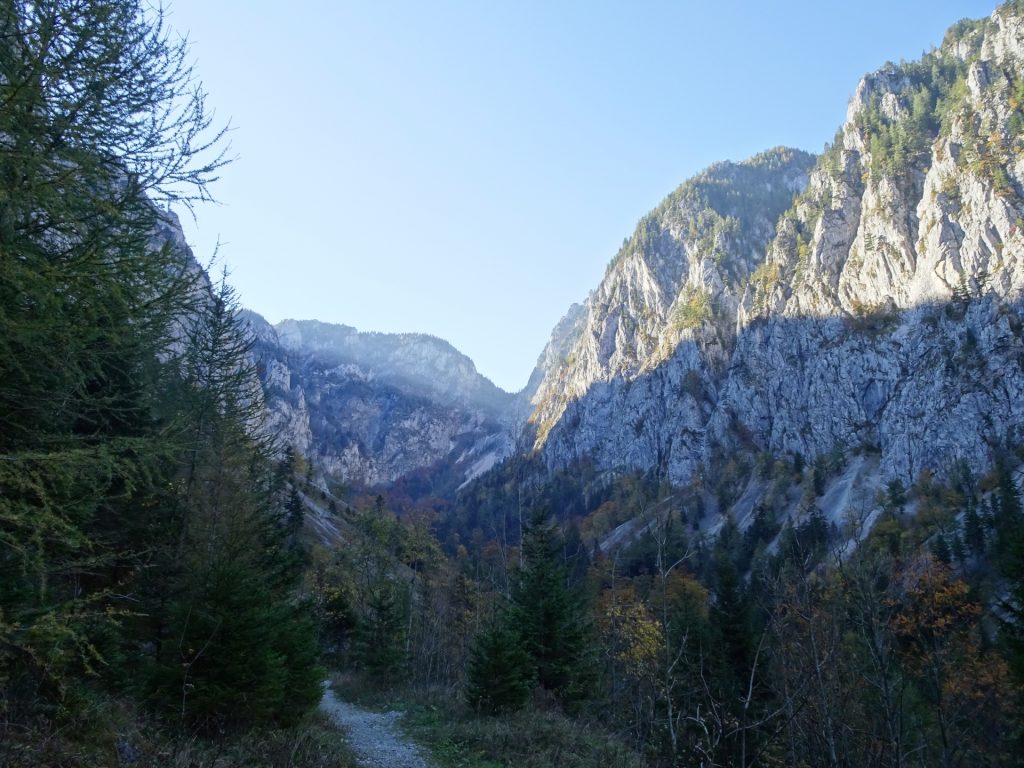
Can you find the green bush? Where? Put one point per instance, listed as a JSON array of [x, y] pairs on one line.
[[500, 671]]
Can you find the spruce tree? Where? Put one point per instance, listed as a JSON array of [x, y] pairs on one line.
[[380, 635], [501, 672], [1009, 550], [1009, 522], [737, 671], [295, 511], [236, 648], [941, 550], [974, 532], [731, 621], [547, 615]]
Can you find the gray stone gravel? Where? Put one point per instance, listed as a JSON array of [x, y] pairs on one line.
[[374, 736]]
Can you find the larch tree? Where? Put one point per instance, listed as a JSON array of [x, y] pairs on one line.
[[99, 116]]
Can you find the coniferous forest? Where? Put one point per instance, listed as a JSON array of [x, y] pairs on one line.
[[166, 600], [145, 553]]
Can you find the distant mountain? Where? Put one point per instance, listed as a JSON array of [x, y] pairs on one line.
[[371, 408]]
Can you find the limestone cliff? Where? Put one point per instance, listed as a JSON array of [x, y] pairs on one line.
[[371, 408], [641, 358], [866, 299]]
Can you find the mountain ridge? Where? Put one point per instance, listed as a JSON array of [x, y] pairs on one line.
[[767, 305], [878, 201], [370, 408]]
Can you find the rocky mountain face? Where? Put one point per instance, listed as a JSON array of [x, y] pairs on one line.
[[371, 408], [628, 377], [888, 313], [866, 299]]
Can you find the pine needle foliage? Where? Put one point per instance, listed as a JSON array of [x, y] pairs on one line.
[[143, 544], [501, 674]]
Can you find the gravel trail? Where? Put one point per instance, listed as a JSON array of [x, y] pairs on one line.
[[374, 736]]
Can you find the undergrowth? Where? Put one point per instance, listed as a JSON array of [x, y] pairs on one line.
[[531, 738], [457, 737], [114, 734]]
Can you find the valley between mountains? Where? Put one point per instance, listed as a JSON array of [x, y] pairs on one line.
[[861, 303], [759, 503]]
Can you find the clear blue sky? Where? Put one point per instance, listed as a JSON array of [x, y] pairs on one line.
[[467, 169]]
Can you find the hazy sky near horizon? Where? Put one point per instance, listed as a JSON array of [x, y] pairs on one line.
[[468, 169]]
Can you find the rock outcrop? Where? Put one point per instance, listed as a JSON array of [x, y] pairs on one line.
[[636, 369], [866, 299]]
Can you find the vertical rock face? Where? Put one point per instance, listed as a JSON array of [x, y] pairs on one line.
[[867, 298], [890, 315], [285, 398], [629, 377], [372, 408]]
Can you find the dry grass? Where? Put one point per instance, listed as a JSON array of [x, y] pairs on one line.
[[113, 735], [529, 739], [538, 737]]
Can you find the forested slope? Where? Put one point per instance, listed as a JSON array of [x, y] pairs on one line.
[[145, 557]]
